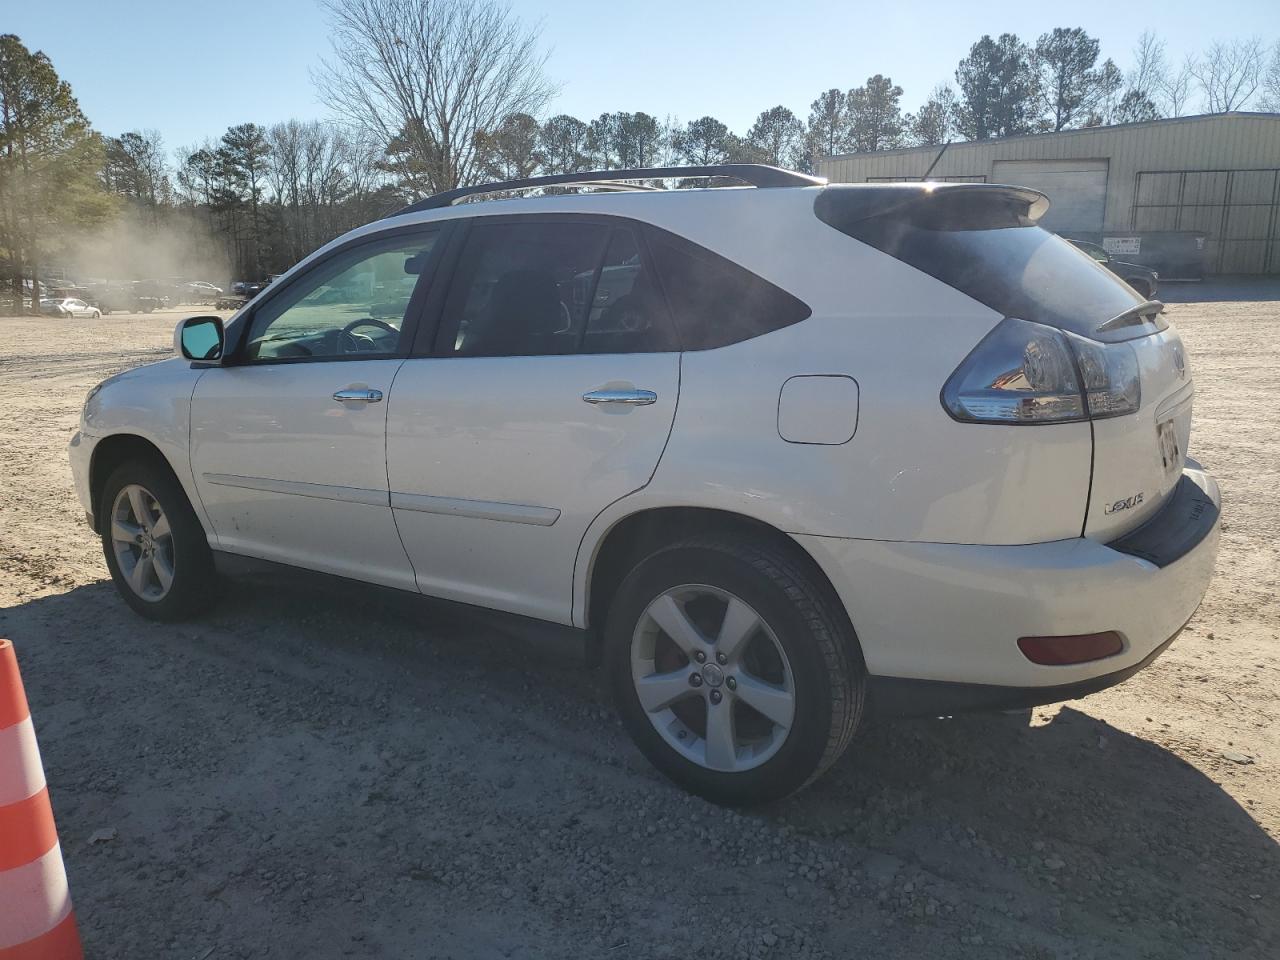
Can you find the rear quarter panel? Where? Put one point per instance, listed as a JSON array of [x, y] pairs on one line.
[[910, 472]]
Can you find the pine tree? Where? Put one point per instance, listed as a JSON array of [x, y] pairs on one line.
[[50, 161]]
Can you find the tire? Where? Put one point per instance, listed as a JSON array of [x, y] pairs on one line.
[[801, 644], [1142, 288], [97, 315], [183, 550]]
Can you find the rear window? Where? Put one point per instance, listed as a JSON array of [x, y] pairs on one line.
[[1014, 267]]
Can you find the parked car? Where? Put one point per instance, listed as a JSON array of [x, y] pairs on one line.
[[159, 292], [894, 450], [69, 307], [201, 291], [133, 297], [1143, 279]]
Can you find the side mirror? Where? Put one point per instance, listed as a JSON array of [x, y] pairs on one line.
[[200, 339]]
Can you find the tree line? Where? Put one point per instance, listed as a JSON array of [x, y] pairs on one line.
[[427, 95]]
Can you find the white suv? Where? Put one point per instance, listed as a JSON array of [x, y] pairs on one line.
[[789, 452]]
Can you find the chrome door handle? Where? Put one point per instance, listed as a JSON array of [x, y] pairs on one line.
[[368, 396], [638, 398]]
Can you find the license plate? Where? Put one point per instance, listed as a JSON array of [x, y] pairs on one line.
[[1169, 451]]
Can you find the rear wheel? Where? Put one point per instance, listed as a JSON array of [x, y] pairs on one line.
[[734, 670], [154, 545]]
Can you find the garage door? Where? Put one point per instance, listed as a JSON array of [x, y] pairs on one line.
[[1237, 210], [1077, 190]]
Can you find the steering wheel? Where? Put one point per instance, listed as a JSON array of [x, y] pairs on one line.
[[351, 342], [627, 314]]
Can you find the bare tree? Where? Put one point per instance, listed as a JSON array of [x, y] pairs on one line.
[[1230, 73], [1108, 85], [135, 168], [1176, 87], [1270, 99], [309, 173], [429, 78], [1150, 70]]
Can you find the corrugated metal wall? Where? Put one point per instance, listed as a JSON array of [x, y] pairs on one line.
[[1227, 142]]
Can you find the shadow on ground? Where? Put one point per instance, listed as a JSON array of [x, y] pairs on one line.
[[1220, 290], [428, 761]]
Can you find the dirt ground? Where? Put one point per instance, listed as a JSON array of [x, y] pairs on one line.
[[328, 774]]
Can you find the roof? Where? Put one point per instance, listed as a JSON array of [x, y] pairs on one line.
[[1077, 131]]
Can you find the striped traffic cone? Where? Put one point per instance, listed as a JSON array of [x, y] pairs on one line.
[[36, 922]]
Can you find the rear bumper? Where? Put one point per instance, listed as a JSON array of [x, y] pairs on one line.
[[900, 697], [939, 623]]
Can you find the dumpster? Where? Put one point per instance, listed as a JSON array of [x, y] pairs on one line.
[[1174, 254]]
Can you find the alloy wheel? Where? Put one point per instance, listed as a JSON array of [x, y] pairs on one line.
[[712, 678], [142, 542]]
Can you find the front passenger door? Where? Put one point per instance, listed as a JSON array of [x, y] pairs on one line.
[[288, 438]]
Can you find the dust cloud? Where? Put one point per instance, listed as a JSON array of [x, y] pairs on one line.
[[131, 247]]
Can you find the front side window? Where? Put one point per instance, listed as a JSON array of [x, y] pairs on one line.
[[549, 287], [350, 306]]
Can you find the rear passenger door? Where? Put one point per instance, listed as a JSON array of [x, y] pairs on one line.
[[547, 392]]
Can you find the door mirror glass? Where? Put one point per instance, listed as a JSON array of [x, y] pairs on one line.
[[200, 338]]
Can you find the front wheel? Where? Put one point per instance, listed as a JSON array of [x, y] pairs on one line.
[[155, 547], [734, 670], [97, 315]]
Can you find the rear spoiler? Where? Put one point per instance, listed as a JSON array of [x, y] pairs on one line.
[[931, 206], [1135, 316]]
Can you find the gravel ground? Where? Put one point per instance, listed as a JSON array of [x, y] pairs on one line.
[[333, 773]]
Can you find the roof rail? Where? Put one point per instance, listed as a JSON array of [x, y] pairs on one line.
[[754, 174]]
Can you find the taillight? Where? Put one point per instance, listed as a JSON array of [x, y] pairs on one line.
[[1025, 372]]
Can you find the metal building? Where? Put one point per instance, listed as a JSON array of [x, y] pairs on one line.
[[1210, 182]]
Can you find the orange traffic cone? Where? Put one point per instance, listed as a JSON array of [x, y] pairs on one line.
[[36, 922]]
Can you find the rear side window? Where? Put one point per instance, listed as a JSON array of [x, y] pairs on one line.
[[548, 287], [627, 313], [714, 301]]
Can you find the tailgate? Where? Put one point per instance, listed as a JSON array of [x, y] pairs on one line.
[[1138, 459]]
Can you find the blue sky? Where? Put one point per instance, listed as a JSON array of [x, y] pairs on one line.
[[191, 69]]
